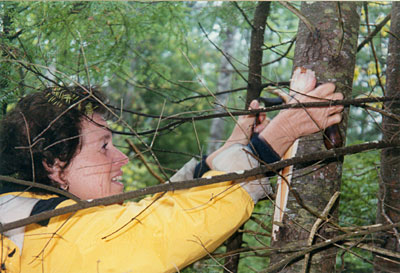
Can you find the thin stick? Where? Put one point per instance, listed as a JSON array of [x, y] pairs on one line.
[[141, 157], [316, 225], [158, 126], [223, 53], [296, 12], [259, 171], [208, 252], [30, 146], [40, 186]]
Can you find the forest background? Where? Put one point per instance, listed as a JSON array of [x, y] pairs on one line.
[[168, 67]]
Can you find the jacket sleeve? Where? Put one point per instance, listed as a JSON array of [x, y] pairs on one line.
[[9, 255], [172, 231], [239, 157]]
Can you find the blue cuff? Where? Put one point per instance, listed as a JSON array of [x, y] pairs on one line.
[[258, 146], [201, 168], [262, 149]]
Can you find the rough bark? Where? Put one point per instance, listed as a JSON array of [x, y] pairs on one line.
[[330, 51], [253, 91], [389, 188], [217, 128]]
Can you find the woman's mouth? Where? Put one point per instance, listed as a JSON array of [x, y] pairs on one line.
[[117, 180]]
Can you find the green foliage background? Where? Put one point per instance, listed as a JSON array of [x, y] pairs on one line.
[[149, 55]]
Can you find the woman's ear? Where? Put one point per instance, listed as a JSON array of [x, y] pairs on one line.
[[55, 171]]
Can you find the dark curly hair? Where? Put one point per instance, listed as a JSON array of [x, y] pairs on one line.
[[50, 122]]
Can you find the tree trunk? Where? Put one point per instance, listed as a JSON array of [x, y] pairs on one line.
[[256, 53], [389, 188], [217, 128], [330, 51], [253, 91]]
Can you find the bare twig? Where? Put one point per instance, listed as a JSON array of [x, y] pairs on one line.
[[136, 216], [264, 85], [296, 12], [223, 53], [284, 54], [158, 125], [375, 249], [373, 50], [141, 157], [198, 241], [243, 14], [325, 244], [256, 172], [393, 35], [28, 135], [383, 210], [372, 34], [40, 186], [84, 59], [324, 214]]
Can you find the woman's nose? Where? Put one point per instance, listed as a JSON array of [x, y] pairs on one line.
[[120, 158]]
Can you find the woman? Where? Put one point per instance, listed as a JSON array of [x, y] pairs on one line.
[[60, 138]]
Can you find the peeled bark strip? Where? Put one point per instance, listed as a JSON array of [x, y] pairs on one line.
[[389, 188], [329, 51]]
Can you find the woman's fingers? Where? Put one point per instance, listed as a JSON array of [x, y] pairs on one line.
[[333, 119], [323, 91], [335, 109], [254, 104], [264, 121], [244, 127], [303, 80]]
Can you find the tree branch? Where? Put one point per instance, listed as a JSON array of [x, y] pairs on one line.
[[223, 53], [372, 34], [243, 14], [296, 12], [325, 244], [256, 172]]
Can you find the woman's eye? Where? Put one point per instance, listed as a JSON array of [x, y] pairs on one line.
[[104, 147]]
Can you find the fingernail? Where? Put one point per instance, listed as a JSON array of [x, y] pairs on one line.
[[254, 104]]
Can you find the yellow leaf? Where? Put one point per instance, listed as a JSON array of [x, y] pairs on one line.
[[372, 81], [356, 72], [384, 31]]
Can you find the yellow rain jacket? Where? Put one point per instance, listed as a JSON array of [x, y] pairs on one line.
[[178, 229]]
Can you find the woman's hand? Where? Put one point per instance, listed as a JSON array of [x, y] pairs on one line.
[[247, 125], [243, 130], [291, 124]]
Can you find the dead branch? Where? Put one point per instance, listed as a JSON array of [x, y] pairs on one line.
[[373, 50], [243, 14], [375, 249], [372, 34], [223, 53], [141, 157], [327, 243], [361, 102], [316, 225], [296, 12], [39, 186], [264, 85], [283, 55], [256, 172]]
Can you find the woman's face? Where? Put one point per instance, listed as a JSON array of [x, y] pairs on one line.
[[96, 169]]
